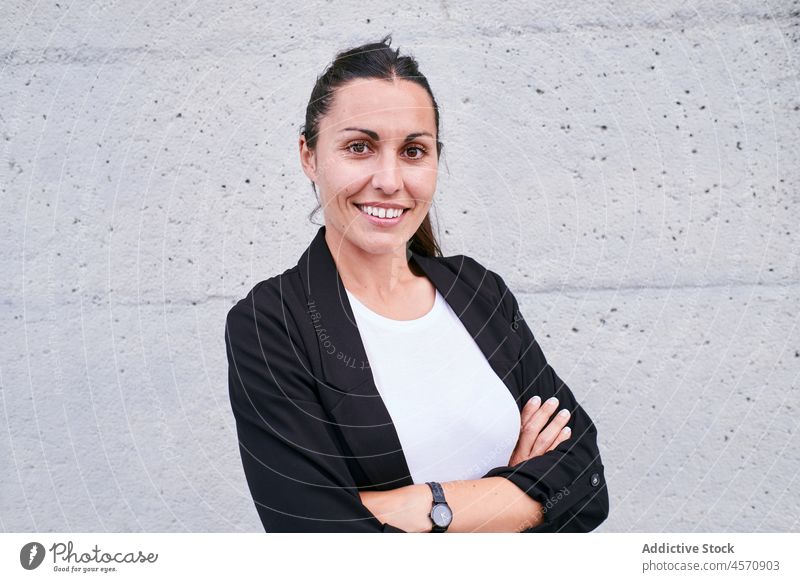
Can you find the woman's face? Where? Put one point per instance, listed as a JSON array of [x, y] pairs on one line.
[[376, 144]]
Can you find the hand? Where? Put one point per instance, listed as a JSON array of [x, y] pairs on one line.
[[534, 438], [406, 507]]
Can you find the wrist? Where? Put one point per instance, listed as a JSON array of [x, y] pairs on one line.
[[421, 501]]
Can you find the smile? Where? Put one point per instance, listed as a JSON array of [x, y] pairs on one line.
[[382, 216]]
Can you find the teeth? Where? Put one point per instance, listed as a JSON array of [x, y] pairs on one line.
[[382, 212]]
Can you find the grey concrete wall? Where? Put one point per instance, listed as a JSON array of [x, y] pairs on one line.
[[630, 168]]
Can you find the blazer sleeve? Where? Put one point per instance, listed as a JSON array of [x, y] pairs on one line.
[[295, 471], [568, 481]]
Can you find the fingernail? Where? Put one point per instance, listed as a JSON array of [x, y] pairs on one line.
[[567, 429], [552, 400], [535, 400], [564, 412]]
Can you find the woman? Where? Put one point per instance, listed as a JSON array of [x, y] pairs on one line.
[[379, 386]]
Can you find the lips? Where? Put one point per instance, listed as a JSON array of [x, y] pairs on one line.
[[381, 221]]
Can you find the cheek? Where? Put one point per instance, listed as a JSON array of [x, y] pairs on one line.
[[422, 180], [346, 180], [328, 177]]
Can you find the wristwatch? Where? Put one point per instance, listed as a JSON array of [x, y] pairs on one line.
[[441, 514]]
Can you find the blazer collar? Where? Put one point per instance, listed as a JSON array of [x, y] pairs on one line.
[[360, 413]]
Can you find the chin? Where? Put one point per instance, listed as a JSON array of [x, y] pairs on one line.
[[381, 244]]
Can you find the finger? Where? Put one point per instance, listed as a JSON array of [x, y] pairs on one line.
[[526, 437], [532, 428], [549, 434], [563, 435], [516, 456], [530, 407]]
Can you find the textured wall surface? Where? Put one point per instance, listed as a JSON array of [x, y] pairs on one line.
[[630, 168]]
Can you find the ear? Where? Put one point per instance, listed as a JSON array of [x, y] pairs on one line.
[[308, 159]]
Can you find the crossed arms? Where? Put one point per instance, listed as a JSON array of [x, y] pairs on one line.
[[300, 481]]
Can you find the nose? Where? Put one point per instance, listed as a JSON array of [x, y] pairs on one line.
[[388, 176]]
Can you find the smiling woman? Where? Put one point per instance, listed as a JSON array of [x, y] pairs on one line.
[[379, 385]]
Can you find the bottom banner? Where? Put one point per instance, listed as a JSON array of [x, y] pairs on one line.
[[123, 556]]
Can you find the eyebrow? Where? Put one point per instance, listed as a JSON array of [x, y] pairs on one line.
[[374, 135]]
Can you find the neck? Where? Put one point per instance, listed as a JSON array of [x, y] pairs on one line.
[[362, 272]]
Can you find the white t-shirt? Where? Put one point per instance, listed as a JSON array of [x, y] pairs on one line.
[[455, 418]]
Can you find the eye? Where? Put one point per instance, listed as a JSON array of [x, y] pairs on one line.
[[358, 145], [419, 151]]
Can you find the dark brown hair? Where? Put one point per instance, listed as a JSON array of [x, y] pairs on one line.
[[371, 61]]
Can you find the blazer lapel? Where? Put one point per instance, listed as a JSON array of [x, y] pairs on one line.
[[356, 406]]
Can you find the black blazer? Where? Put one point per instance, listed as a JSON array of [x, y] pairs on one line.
[[313, 429]]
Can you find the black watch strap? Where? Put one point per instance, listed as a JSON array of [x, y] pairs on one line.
[[438, 492]]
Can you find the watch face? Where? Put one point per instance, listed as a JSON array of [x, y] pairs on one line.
[[441, 515]]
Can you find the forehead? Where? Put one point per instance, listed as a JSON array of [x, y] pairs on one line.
[[396, 105]]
